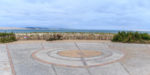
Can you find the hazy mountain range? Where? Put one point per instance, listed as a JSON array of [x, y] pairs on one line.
[[11, 28], [26, 28]]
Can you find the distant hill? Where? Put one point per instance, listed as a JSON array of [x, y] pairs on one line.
[[44, 28], [36, 28], [30, 28], [11, 28]]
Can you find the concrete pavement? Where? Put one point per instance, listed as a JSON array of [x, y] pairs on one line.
[[5, 66], [42, 58]]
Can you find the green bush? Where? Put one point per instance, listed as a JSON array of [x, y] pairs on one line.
[[131, 37], [7, 37], [55, 37]]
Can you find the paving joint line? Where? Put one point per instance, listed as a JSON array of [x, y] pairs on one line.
[[125, 69], [53, 67], [82, 59], [10, 61], [121, 63], [42, 46]]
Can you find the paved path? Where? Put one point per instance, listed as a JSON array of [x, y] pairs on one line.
[[5, 68], [42, 58]]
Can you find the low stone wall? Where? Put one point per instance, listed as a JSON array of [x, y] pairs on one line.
[[65, 36]]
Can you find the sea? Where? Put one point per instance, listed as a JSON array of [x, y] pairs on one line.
[[66, 30]]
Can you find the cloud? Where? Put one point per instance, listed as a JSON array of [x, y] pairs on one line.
[[85, 14]]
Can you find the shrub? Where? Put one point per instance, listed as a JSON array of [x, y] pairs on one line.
[[145, 36], [55, 37], [131, 37], [7, 37]]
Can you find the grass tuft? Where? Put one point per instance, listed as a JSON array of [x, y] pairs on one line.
[[55, 37]]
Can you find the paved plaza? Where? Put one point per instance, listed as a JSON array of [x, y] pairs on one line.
[[74, 58]]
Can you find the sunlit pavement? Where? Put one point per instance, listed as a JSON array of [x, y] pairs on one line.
[[74, 58], [5, 66]]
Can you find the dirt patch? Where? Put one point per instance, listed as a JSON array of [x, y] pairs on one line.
[[79, 53]]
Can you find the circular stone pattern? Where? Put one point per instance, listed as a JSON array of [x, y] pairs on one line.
[[79, 53], [77, 58]]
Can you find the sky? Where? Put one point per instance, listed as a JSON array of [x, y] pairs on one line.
[[76, 14]]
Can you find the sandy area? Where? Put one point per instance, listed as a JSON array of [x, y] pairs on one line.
[[79, 53]]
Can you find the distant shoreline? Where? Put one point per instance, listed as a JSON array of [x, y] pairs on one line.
[[43, 30], [62, 31], [58, 30]]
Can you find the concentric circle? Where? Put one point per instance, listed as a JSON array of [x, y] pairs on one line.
[[74, 58]]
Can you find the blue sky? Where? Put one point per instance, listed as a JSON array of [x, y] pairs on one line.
[[79, 14]]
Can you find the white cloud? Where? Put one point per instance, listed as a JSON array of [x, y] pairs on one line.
[[96, 14]]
